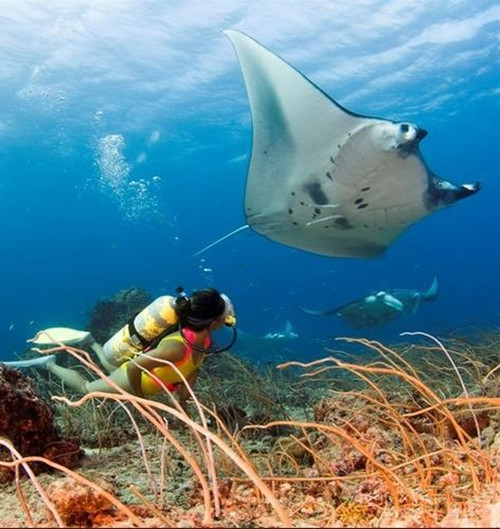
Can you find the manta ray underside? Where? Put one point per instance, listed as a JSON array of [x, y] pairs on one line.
[[324, 179]]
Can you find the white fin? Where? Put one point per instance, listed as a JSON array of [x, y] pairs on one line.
[[55, 335], [32, 362]]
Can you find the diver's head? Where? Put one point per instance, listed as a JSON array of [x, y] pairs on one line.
[[206, 308]]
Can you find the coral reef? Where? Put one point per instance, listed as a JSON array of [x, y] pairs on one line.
[[28, 422], [400, 442], [109, 315]]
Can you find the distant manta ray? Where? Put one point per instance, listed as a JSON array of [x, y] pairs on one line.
[[287, 333], [322, 178], [380, 307]]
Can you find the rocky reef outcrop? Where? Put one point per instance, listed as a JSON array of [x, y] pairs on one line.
[[27, 421], [110, 315]]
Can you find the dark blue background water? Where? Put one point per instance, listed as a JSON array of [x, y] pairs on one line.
[[76, 228]]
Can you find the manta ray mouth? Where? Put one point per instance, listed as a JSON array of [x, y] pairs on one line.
[[408, 147], [442, 193], [421, 134], [470, 189]]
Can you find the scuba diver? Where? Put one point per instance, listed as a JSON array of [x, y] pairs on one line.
[[175, 329]]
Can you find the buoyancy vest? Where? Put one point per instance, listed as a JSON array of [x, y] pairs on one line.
[[139, 333], [166, 376]]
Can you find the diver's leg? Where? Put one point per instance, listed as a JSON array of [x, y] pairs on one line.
[[78, 383], [118, 376], [69, 376], [99, 351]]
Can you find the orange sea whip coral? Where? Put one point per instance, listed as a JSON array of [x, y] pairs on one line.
[[473, 454], [209, 453], [85, 359], [443, 348], [19, 461], [24, 462], [411, 472], [149, 410]]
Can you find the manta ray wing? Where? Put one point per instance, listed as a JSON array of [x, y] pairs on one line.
[[379, 308], [358, 313], [361, 314], [322, 178]]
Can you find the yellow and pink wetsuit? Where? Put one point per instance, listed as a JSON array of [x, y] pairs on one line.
[[165, 376]]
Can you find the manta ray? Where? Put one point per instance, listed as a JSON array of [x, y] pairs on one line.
[[288, 333], [380, 307], [323, 178]]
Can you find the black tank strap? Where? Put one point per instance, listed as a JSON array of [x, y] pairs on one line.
[[134, 333]]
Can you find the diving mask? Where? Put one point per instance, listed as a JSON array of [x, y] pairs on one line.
[[228, 314]]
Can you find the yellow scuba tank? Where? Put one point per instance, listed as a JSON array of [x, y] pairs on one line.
[[139, 332]]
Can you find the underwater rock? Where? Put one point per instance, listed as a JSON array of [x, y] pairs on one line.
[[27, 421], [110, 315], [77, 504]]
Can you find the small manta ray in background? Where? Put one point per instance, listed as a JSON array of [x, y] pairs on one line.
[[322, 178], [380, 307], [287, 333]]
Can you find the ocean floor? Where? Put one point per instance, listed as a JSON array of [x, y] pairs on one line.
[[384, 441]]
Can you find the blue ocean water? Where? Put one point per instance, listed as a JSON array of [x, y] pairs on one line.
[[125, 136]]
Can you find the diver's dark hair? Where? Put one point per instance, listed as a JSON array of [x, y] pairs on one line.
[[199, 310]]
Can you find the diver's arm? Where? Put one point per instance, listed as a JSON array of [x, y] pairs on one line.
[[171, 351]]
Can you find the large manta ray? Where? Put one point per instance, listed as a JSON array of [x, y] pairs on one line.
[[324, 179], [380, 307]]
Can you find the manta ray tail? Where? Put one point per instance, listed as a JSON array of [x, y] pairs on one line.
[[432, 292], [234, 232], [290, 331]]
